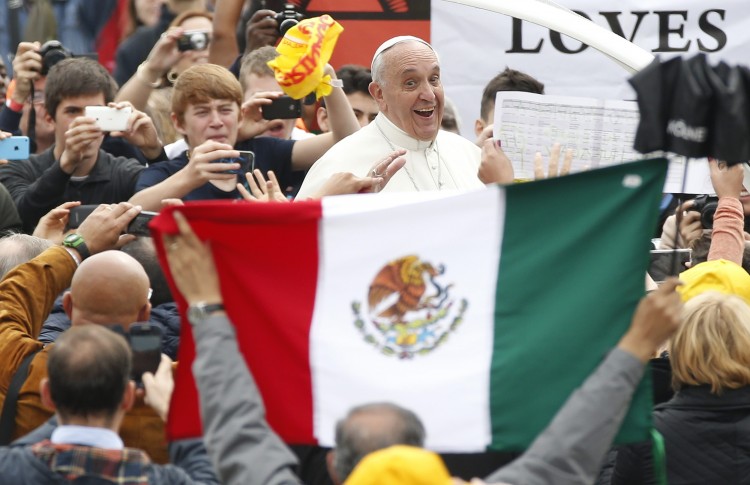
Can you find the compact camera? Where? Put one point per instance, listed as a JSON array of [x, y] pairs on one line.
[[52, 52], [193, 40], [287, 18]]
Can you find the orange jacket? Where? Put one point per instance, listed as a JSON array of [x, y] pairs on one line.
[[26, 297]]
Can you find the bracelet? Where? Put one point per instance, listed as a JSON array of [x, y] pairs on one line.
[[142, 77], [73, 255], [14, 105]]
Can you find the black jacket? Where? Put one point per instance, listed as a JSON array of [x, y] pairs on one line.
[[9, 220], [706, 437], [38, 184]]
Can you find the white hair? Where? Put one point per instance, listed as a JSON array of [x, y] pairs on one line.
[[18, 249]]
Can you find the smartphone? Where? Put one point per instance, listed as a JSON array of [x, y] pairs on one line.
[[78, 215], [668, 262], [139, 225], [246, 161], [283, 108], [145, 343], [109, 119], [14, 148]]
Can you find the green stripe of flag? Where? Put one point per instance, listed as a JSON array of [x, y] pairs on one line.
[[564, 300]]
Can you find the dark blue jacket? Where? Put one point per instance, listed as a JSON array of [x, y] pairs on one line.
[[164, 316]]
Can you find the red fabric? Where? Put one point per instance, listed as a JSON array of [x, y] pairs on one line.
[[266, 255], [112, 34]]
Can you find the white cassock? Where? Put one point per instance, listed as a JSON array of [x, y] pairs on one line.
[[451, 162]]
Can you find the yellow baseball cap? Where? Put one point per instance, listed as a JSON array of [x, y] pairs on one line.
[[719, 275], [400, 465]]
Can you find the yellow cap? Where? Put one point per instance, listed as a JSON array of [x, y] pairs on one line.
[[720, 275], [400, 465]]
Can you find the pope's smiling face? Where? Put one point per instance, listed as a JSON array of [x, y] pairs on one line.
[[410, 92]]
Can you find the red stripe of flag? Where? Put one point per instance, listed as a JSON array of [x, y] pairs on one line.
[[267, 259]]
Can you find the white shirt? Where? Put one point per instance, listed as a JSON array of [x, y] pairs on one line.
[[450, 162], [87, 436], [173, 150]]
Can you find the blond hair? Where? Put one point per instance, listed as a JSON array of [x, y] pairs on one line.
[[256, 62], [158, 107], [201, 84], [712, 346]]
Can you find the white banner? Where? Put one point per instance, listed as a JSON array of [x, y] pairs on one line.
[[474, 45]]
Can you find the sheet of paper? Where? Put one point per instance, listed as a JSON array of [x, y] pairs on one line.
[[600, 133]]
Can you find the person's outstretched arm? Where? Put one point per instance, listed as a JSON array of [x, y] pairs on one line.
[[242, 447], [571, 449], [728, 235]]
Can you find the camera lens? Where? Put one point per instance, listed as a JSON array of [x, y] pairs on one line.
[[199, 41], [707, 215], [286, 25]]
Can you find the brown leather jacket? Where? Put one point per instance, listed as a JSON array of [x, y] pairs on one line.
[[26, 297]]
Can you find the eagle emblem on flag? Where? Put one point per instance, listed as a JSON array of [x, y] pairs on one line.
[[410, 310]]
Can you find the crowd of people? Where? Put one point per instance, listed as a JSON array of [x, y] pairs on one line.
[[194, 93]]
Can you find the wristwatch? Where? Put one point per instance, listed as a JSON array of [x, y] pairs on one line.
[[202, 310], [75, 241]]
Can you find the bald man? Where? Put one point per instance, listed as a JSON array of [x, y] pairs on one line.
[[407, 86], [109, 287]]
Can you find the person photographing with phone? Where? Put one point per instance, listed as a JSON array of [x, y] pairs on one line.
[[208, 110], [90, 390], [75, 167], [106, 288]]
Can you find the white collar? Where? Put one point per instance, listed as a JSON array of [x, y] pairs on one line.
[[87, 436], [399, 137]]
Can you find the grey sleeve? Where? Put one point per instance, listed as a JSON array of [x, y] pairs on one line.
[[242, 447], [43, 432], [571, 449], [190, 464]]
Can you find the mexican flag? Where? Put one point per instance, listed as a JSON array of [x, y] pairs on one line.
[[480, 311]]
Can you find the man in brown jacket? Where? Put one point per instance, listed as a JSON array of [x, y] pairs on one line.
[[109, 288]]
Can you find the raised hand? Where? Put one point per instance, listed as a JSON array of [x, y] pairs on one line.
[[191, 264], [656, 318], [52, 224], [263, 190], [554, 161], [496, 167]]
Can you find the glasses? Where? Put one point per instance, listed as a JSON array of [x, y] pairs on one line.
[[150, 292]]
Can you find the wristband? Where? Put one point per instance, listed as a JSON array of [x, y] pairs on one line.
[[75, 241], [14, 105]]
